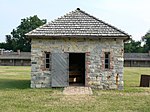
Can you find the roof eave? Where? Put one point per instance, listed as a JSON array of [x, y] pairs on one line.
[[125, 38], [128, 38]]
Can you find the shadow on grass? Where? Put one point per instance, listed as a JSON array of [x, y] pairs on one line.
[[14, 84]]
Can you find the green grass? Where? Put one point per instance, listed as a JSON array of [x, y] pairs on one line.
[[16, 95]]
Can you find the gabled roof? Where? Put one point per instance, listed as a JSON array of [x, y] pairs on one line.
[[137, 56], [78, 23]]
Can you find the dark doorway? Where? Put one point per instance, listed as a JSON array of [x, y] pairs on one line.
[[77, 69]]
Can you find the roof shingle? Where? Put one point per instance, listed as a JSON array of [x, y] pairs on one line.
[[15, 55], [78, 23], [136, 56]]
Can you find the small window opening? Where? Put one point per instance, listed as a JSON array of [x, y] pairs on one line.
[[107, 60], [47, 60]]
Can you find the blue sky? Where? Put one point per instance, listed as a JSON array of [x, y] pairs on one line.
[[131, 16]]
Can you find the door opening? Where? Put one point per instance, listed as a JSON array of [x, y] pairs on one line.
[[77, 69]]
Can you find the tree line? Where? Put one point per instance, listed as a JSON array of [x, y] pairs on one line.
[[142, 46], [17, 40]]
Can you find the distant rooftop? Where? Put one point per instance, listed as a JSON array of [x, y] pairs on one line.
[[15, 55], [137, 56]]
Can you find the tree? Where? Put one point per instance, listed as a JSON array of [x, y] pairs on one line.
[[133, 47], [17, 39], [8, 44], [146, 39]]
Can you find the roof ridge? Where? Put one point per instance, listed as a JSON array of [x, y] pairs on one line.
[[66, 26], [60, 17], [103, 22], [52, 21], [36, 29]]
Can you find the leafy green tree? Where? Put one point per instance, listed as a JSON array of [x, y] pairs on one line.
[[17, 39], [133, 47], [8, 44], [146, 39]]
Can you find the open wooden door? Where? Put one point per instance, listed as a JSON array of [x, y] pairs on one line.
[[60, 73]]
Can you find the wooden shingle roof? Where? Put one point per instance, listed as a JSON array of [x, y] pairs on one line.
[[15, 55], [78, 23], [137, 56]]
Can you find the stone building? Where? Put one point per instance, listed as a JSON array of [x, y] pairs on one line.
[[77, 49], [15, 58]]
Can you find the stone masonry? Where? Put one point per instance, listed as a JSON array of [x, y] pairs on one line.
[[96, 74]]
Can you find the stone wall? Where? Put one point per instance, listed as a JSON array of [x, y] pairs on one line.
[[96, 74]]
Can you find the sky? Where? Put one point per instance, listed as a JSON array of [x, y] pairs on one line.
[[131, 16]]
